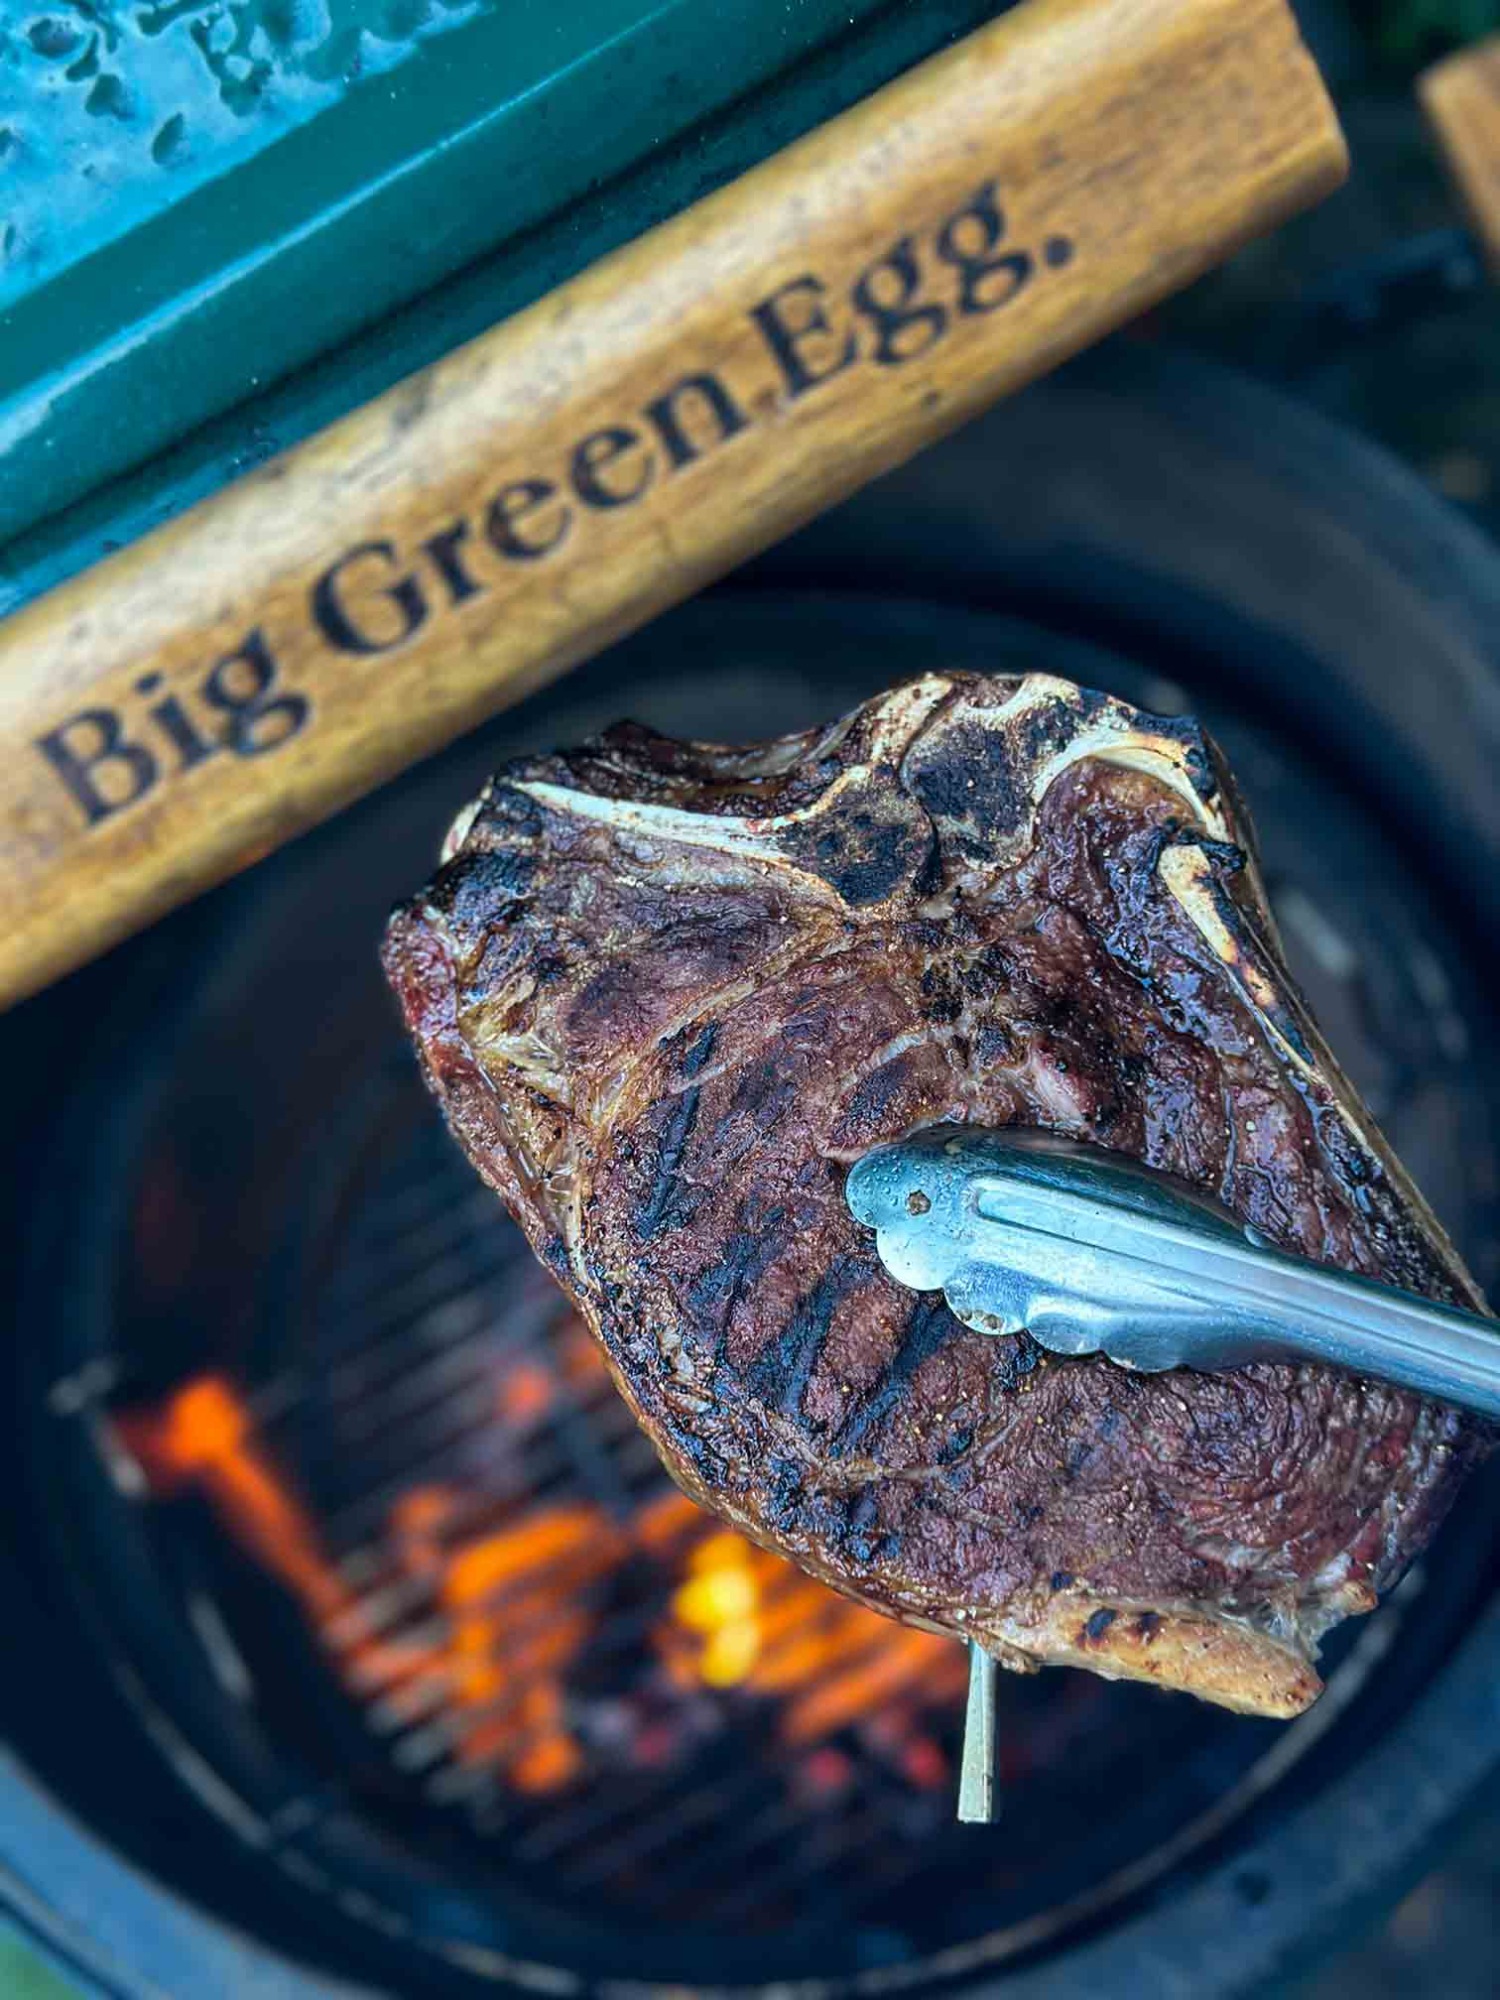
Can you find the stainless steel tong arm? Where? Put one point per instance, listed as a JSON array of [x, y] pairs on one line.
[[1093, 1253]]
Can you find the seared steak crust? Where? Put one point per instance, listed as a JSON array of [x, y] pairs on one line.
[[667, 992]]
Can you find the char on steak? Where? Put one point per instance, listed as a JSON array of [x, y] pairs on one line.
[[666, 993]]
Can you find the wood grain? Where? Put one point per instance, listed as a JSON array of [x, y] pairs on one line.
[[1461, 97], [211, 692]]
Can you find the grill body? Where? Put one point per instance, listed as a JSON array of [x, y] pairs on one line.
[[359, 1617]]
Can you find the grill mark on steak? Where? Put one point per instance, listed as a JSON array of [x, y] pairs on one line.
[[928, 1330], [668, 1203], [780, 1372], [754, 1244], [666, 992]]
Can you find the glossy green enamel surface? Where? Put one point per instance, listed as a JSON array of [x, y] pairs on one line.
[[175, 354], [199, 196], [111, 111]]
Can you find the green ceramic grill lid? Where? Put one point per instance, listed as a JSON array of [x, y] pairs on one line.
[[200, 197]]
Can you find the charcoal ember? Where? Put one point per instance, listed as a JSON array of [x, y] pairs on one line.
[[667, 992]]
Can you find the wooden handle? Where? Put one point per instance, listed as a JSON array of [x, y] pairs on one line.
[[1461, 97], [242, 673]]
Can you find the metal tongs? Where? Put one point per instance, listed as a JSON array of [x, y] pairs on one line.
[[1091, 1253]]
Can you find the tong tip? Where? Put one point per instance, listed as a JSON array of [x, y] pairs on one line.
[[977, 1804]]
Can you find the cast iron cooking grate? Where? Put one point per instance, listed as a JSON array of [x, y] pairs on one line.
[[586, 1619], [542, 1636]]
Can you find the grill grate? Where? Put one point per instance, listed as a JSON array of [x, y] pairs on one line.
[[539, 1633]]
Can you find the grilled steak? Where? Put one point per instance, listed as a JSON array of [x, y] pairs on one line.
[[666, 993]]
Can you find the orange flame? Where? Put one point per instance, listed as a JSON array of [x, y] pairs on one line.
[[511, 1608], [203, 1435]]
